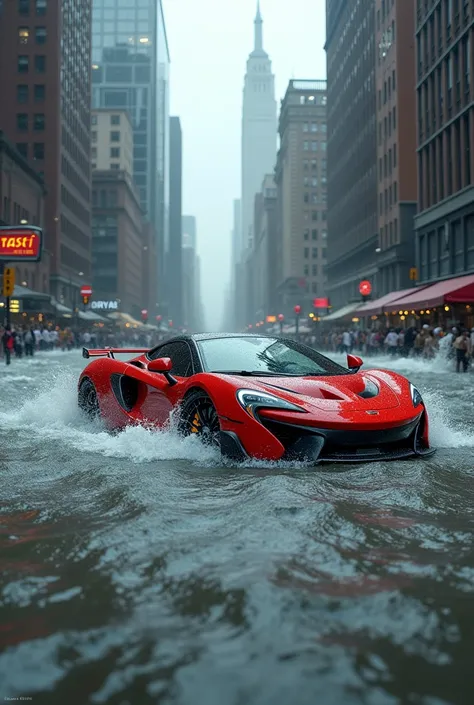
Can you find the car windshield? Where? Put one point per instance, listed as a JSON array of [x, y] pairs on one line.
[[253, 355]]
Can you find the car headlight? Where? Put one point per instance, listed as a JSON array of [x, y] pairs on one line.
[[415, 396], [251, 400]]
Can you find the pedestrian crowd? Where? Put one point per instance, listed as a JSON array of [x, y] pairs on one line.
[[455, 343], [24, 341]]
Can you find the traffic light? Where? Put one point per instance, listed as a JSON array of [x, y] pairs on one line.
[[85, 300], [8, 281]]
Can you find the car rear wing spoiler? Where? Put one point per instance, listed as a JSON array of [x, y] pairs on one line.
[[111, 352]]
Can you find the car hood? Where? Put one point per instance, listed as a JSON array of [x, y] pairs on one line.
[[334, 393]]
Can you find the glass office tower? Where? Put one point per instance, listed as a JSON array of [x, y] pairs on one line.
[[130, 71]]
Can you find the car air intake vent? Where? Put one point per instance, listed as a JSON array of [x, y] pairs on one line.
[[329, 394], [371, 390]]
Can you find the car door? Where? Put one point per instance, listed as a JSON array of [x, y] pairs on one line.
[[158, 402]]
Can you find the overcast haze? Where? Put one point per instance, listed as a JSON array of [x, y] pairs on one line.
[[209, 44]]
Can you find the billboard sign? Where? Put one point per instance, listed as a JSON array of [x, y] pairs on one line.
[[20, 243]]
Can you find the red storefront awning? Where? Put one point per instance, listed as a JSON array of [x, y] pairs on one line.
[[449, 291], [375, 308]]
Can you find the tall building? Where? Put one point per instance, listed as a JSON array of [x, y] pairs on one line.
[[173, 306], [259, 128], [22, 194], [112, 141], [189, 263], [445, 131], [352, 147], [45, 59], [130, 71], [236, 231], [264, 249], [117, 241], [396, 143], [300, 176]]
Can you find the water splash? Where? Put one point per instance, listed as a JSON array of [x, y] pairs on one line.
[[52, 414]]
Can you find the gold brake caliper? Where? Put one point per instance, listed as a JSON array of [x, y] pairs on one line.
[[196, 424]]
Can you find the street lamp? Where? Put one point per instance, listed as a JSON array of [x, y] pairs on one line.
[[297, 310], [281, 318]]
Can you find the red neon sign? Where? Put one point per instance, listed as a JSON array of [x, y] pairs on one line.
[[321, 303], [19, 244]]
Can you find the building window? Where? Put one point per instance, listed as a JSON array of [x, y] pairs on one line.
[[314, 270], [305, 127], [41, 7], [38, 150], [40, 92], [93, 136], [23, 35], [22, 147], [23, 64], [314, 215], [40, 63], [115, 166], [314, 182], [40, 35], [306, 270], [306, 252], [115, 152], [314, 164], [314, 234], [314, 146], [314, 127], [94, 120], [22, 122], [306, 146], [38, 122], [93, 166], [306, 198], [314, 252], [23, 7], [22, 94], [94, 152], [115, 136], [115, 119]]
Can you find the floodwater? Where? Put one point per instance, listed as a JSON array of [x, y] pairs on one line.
[[137, 570]]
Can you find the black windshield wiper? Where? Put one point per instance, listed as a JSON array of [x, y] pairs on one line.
[[253, 373]]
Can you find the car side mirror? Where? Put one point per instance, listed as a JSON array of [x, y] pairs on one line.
[[354, 363], [164, 366]]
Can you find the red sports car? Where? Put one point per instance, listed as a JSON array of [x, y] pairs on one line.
[[260, 397]]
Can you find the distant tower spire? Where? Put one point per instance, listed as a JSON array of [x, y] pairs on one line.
[[258, 29]]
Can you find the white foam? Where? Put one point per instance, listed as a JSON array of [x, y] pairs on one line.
[[52, 413]]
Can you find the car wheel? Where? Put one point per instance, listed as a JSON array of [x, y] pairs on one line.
[[88, 400], [198, 416]]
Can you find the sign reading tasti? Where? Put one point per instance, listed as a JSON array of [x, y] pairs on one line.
[[20, 244]]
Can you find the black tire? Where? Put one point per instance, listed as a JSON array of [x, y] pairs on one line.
[[198, 416], [88, 400]]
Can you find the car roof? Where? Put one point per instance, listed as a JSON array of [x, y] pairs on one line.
[[197, 337]]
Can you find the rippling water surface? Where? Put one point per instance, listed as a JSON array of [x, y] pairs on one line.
[[137, 570]]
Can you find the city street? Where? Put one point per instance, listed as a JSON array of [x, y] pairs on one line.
[[136, 569]]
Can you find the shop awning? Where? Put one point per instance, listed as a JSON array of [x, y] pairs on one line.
[[126, 318], [375, 308], [22, 292], [450, 291], [341, 313], [91, 316], [60, 308]]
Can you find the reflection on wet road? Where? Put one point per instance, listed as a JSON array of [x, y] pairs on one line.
[[135, 569]]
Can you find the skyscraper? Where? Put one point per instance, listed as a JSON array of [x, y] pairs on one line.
[[45, 52], [351, 147], [259, 128], [174, 264], [130, 62]]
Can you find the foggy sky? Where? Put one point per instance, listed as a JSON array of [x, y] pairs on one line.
[[209, 43]]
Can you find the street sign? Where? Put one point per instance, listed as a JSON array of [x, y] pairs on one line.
[[86, 290], [365, 288], [8, 281], [20, 244], [413, 274], [297, 309]]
